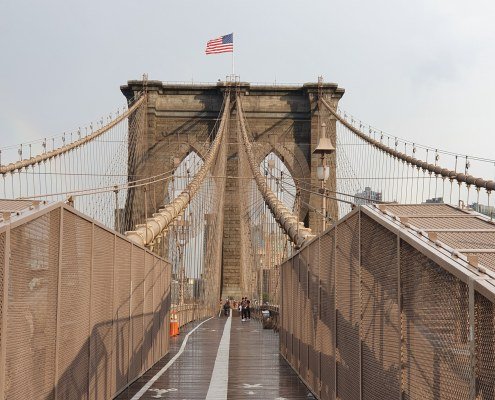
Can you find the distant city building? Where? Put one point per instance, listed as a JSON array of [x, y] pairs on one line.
[[434, 200], [483, 209], [367, 196]]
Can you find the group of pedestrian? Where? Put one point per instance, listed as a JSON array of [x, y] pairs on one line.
[[245, 309]]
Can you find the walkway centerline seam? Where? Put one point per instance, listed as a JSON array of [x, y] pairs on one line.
[[219, 382]]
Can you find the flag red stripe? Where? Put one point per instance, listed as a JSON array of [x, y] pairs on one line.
[[220, 51], [219, 47], [223, 46], [215, 46]]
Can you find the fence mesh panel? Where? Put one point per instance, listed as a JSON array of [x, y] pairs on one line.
[[283, 320], [380, 312], [304, 312], [137, 310], [485, 348], [149, 278], [74, 308], [296, 338], [122, 277], [32, 308], [326, 322], [435, 329], [102, 288], [313, 298], [2, 269], [348, 308], [157, 290], [165, 307], [290, 308]]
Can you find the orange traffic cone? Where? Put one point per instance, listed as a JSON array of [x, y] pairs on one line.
[[174, 323]]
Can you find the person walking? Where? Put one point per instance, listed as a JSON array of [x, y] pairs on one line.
[[248, 309], [243, 309], [226, 307]]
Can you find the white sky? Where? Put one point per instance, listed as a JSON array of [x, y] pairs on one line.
[[422, 70]]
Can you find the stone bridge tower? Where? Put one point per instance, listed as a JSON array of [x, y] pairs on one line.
[[282, 119]]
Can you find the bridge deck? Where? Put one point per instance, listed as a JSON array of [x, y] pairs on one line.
[[255, 368]]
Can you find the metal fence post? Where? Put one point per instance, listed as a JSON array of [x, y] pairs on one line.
[[319, 313], [335, 313], [472, 339], [292, 301], [281, 308], [90, 305], [113, 382], [59, 295], [399, 303], [3, 322], [131, 331], [143, 360], [299, 301], [360, 321]]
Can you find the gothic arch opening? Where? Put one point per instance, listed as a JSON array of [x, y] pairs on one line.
[[270, 244], [187, 236], [279, 179]]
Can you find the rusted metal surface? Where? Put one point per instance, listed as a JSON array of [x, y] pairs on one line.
[[81, 319], [400, 315]]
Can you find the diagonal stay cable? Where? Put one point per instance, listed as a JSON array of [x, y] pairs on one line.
[[296, 231], [146, 233]]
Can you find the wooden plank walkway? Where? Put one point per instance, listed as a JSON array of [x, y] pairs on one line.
[[255, 368]]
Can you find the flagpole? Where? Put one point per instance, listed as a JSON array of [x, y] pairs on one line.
[[233, 69]]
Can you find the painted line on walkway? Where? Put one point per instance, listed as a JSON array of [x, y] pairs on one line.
[[219, 382], [146, 387]]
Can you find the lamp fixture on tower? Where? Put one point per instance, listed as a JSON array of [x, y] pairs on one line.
[[323, 148]]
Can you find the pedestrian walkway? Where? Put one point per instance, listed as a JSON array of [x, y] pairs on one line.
[[199, 371]]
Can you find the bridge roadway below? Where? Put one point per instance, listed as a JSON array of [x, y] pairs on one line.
[[216, 349]]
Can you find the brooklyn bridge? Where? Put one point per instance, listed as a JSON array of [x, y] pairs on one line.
[[368, 259]]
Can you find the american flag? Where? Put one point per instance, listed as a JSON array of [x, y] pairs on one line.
[[223, 44]]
